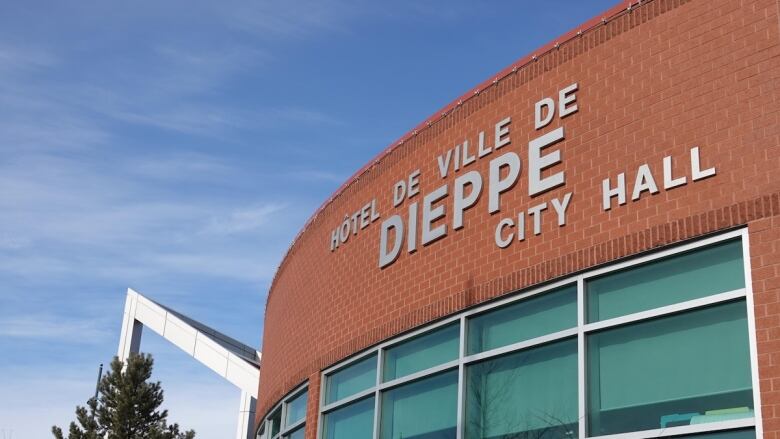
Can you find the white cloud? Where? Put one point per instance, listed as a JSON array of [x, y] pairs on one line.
[[62, 215], [24, 58], [284, 19], [181, 166], [8, 242], [52, 327], [242, 266], [243, 220]]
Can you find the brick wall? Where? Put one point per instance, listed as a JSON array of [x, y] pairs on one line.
[[666, 76]]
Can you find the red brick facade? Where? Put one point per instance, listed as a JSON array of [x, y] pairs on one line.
[[655, 81]]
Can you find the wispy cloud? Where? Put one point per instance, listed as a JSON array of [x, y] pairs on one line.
[[243, 220], [282, 19], [24, 58], [53, 327], [190, 166], [316, 176], [62, 215]]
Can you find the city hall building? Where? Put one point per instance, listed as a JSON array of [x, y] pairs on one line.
[[585, 245]]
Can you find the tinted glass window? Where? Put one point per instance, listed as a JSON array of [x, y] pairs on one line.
[[276, 422], [539, 315], [423, 352], [528, 394], [352, 379], [354, 421], [424, 409], [296, 409], [685, 369], [715, 269]]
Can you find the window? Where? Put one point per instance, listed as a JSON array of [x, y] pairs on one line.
[[410, 407], [296, 408], [686, 276], [427, 408], [531, 393], [275, 423], [297, 434], [734, 434], [352, 379], [655, 346], [685, 369], [543, 314], [352, 421], [288, 419], [431, 349]]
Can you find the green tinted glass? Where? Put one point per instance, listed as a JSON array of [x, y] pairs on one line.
[[732, 434], [296, 409], [352, 379], [699, 273], [355, 421], [539, 315], [425, 409], [685, 369], [528, 394], [420, 353], [297, 434], [276, 422]]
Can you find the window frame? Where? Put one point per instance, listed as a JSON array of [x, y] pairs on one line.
[[281, 407], [578, 332]]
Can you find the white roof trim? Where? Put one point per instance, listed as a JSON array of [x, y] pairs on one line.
[[229, 358]]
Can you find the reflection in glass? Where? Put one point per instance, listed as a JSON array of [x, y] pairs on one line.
[[703, 272], [296, 409], [423, 352], [424, 409], [732, 434], [524, 395], [297, 434], [539, 315], [354, 421], [352, 379], [685, 369], [276, 423]]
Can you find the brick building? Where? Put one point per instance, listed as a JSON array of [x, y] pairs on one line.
[[587, 244]]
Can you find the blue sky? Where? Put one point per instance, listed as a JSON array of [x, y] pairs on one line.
[[178, 147]]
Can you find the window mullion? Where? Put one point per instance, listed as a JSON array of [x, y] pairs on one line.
[[460, 424], [380, 357], [581, 395]]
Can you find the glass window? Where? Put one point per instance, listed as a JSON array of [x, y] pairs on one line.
[[352, 379], [539, 315], [297, 434], [296, 409], [715, 269], [731, 434], [354, 421], [275, 422], [685, 369], [423, 352], [528, 394], [261, 431], [424, 409]]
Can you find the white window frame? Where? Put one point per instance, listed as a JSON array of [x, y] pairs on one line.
[[281, 407], [580, 332]]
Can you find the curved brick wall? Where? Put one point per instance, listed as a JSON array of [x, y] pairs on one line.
[[656, 81]]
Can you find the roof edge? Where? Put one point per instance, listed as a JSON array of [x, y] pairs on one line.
[[621, 7]]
